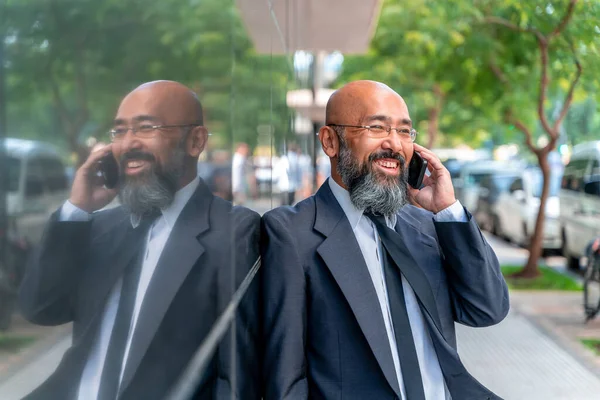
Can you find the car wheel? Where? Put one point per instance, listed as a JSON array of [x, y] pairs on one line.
[[572, 262], [7, 307]]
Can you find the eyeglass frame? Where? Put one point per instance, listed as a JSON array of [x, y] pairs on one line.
[[149, 127], [412, 135]]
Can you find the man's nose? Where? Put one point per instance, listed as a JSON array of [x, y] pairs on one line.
[[130, 141], [393, 142]]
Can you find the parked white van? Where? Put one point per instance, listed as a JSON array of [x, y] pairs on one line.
[[580, 201], [37, 186]]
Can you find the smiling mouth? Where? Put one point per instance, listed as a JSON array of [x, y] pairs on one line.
[[388, 165], [133, 166]]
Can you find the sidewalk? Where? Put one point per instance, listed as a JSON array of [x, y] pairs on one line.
[[534, 353], [518, 361]]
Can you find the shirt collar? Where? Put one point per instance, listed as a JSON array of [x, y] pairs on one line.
[[352, 213], [343, 197], [171, 213]]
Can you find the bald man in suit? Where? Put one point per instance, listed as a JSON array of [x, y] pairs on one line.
[[143, 283], [361, 289]]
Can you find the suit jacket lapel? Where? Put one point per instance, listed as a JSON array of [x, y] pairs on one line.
[[179, 255], [343, 257]]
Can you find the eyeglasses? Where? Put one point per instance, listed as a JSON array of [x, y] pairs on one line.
[[142, 131], [381, 131]]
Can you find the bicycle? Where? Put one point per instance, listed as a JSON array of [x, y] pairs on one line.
[[591, 280]]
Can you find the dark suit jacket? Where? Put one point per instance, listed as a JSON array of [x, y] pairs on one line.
[[209, 251], [324, 332]]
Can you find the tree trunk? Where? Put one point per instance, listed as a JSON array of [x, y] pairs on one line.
[[531, 269], [72, 133]]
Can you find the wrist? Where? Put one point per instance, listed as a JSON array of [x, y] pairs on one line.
[[81, 205], [445, 205]]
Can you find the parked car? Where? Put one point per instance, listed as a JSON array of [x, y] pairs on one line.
[[467, 180], [516, 210], [490, 188], [580, 201], [453, 166], [37, 186]]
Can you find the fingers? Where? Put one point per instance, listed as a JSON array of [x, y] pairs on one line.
[[92, 160], [427, 180], [433, 160]]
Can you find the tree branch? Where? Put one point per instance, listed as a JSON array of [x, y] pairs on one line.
[[81, 87], [58, 101], [543, 45], [565, 21], [63, 112], [499, 73], [514, 27], [506, 23], [509, 118], [569, 97], [528, 139]]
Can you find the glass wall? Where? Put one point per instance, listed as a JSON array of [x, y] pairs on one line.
[[66, 67]]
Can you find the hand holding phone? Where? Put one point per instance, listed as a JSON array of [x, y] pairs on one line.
[[95, 181], [435, 192]]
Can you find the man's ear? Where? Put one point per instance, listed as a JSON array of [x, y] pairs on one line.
[[329, 141], [197, 141]]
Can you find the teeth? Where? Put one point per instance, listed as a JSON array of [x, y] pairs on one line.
[[388, 164], [134, 164]]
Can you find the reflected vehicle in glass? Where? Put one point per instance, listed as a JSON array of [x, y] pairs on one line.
[[37, 186], [516, 209], [580, 201]]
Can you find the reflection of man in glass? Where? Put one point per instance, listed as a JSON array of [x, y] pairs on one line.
[[361, 290], [143, 283]]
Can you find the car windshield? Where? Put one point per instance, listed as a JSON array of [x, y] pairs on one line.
[[555, 180], [503, 182], [475, 178]]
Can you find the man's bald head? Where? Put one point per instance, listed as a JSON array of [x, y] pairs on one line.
[[349, 104], [174, 102]]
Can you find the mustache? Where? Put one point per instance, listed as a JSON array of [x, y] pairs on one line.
[[387, 154], [136, 155]]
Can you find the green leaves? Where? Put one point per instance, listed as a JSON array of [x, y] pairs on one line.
[[93, 52], [480, 67]]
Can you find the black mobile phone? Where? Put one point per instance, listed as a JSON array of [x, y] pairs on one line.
[[109, 171], [416, 170]]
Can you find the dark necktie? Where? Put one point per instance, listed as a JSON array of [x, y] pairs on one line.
[[111, 373], [407, 353]]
